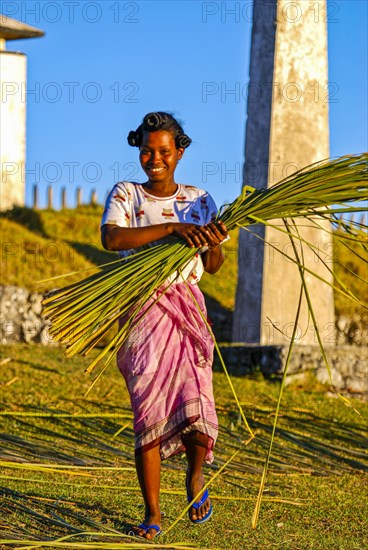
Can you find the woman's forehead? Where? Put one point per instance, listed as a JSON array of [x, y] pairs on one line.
[[158, 138]]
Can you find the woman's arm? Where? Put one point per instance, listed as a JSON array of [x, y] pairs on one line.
[[114, 237], [214, 257], [213, 260]]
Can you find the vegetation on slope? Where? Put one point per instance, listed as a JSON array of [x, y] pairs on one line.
[[45, 243]]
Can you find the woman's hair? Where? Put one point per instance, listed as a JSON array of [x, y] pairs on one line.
[[154, 122]]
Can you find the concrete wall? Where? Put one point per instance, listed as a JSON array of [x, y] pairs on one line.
[[349, 364], [12, 128], [21, 318]]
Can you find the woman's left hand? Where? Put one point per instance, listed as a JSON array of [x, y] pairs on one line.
[[216, 233]]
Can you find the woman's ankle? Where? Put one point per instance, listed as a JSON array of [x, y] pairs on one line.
[[153, 512], [194, 473]]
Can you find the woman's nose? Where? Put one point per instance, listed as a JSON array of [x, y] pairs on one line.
[[155, 156]]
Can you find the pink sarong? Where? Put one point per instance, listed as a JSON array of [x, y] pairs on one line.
[[167, 366]]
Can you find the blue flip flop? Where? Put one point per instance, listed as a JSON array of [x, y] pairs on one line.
[[147, 528], [197, 505]]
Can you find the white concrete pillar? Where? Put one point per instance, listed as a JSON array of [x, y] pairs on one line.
[[287, 129], [12, 128]]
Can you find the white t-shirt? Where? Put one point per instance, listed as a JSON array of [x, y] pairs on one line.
[[129, 205]]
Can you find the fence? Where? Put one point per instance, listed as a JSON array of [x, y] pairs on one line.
[[93, 199]]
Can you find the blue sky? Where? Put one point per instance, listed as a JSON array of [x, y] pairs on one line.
[[103, 65]]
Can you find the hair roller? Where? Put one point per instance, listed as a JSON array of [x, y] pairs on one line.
[[133, 138], [152, 121], [182, 141], [156, 121]]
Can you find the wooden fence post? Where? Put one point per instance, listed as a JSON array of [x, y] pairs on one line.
[[93, 201], [79, 196], [63, 197], [35, 196], [49, 197]]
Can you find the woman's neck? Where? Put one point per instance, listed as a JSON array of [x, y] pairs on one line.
[[161, 189]]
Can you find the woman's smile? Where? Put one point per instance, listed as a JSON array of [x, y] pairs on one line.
[[154, 170]]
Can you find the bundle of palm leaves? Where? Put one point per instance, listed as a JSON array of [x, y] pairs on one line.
[[83, 312]]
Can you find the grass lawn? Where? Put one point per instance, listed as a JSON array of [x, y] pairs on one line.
[[67, 463]]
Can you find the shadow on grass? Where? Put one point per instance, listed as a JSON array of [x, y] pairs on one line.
[[305, 441], [37, 366], [28, 217], [220, 318], [59, 516], [92, 253], [31, 219], [74, 436]]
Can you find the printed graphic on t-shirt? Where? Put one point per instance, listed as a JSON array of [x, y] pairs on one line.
[[204, 204], [195, 215], [139, 212], [168, 213], [119, 197]]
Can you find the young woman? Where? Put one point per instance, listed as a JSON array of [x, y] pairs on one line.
[[167, 359]]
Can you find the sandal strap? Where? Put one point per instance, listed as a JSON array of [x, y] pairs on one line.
[[153, 526], [204, 497]]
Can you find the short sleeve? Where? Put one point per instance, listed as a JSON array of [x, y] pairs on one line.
[[211, 210], [117, 208]]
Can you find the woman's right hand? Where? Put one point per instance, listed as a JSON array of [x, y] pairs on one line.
[[194, 235]]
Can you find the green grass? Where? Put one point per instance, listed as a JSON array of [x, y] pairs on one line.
[[45, 243], [344, 260], [318, 465]]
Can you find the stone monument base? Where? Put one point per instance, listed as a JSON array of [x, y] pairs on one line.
[[349, 364]]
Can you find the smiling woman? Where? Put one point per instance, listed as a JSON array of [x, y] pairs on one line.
[[159, 156], [167, 359]]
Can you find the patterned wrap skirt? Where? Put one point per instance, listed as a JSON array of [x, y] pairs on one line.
[[167, 366]]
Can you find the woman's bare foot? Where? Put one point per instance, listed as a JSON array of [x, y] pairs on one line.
[[195, 484]]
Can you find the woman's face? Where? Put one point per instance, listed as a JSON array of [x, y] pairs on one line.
[[159, 156]]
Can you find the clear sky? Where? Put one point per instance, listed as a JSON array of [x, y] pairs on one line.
[[103, 65]]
